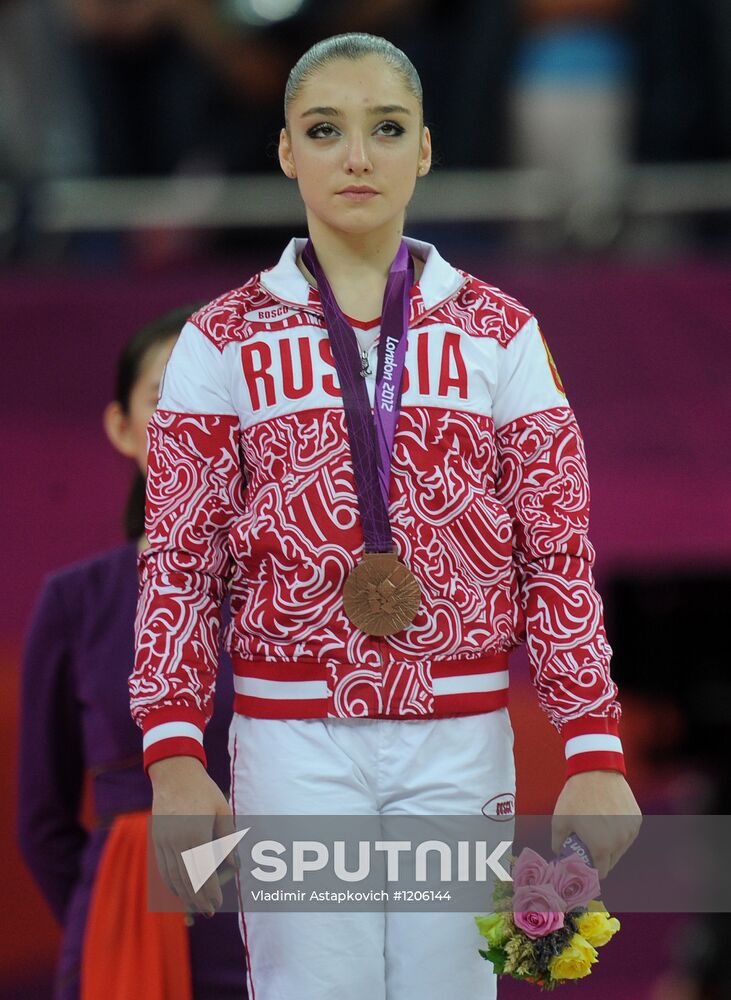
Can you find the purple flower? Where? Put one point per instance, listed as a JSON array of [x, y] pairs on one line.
[[530, 869], [537, 910], [574, 881]]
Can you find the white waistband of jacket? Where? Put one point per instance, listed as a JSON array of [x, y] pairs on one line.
[[304, 689]]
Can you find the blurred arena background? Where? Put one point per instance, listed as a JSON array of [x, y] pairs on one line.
[[583, 164]]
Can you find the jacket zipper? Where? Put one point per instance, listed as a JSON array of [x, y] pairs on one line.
[[379, 650], [365, 364]]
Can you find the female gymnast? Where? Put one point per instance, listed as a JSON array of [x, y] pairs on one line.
[[372, 451]]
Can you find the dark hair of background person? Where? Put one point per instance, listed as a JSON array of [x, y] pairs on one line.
[[129, 369]]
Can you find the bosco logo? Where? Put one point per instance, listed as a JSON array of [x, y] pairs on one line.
[[500, 807]]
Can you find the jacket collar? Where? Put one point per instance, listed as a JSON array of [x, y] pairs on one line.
[[439, 281]]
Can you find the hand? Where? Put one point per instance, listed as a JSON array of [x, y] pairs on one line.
[[182, 787], [600, 808]]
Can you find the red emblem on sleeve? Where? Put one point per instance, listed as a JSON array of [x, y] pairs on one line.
[[552, 366]]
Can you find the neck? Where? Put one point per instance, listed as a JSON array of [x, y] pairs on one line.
[[345, 258]]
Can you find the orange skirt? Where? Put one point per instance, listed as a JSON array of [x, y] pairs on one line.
[[129, 951]]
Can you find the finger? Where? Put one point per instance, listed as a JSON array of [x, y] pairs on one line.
[[224, 826], [163, 869], [162, 853], [196, 901], [600, 849], [207, 898], [210, 893], [559, 833], [226, 875], [636, 830], [620, 850], [196, 831], [173, 844], [602, 862], [180, 877], [169, 870]]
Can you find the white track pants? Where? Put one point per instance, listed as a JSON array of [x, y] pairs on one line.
[[449, 766]]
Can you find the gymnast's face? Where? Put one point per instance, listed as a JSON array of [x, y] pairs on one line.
[[127, 430], [355, 123]]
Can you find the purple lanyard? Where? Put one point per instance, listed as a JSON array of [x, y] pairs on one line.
[[370, 445]]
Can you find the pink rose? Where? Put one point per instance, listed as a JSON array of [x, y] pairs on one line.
[[574, 881], [537, 910], [530, 869]]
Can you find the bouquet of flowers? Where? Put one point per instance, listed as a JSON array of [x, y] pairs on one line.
[[547, 924]]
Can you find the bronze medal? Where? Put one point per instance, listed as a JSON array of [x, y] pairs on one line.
[[381, 595]]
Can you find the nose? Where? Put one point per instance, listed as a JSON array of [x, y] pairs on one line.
[[357, 160]]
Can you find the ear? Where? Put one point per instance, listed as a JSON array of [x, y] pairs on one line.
[[116, 425], [425, 153], [286, 160]]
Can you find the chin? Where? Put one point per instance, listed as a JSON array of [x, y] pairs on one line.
[[359, 222]]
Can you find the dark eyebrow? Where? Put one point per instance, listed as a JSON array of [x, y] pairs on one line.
[[384, 109]]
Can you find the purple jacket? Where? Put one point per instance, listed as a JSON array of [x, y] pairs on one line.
[[75, 717]]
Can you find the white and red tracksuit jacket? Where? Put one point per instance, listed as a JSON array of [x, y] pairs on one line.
[[251, 486]]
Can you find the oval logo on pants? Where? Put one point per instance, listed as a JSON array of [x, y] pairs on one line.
[[500, 807]]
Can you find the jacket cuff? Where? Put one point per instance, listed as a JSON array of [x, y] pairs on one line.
[[173, 732], [592, 743]]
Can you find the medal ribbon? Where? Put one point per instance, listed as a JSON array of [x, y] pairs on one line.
[[371, 434]]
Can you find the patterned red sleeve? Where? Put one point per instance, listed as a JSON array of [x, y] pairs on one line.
[[194, 493], [544, 484]]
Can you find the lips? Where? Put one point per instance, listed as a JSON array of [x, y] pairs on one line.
[[356, 193]]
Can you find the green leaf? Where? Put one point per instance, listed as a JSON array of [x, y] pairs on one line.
[[497, 956]]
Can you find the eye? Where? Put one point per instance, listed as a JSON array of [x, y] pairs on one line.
[[393, 128], [323, 131]]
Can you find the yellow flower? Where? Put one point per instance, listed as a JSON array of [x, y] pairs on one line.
[[493, 928], [597, 927], [575, 961]]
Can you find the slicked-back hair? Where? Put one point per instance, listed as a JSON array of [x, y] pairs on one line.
[[353, 46]]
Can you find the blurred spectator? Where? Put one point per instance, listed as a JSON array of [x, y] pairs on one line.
[[463, 51], [571, 105], [197, 84], [684, 80], [42, 129], [171, 86], [21, 134], [684, 104]]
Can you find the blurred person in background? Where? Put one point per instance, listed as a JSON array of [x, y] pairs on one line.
[[75, 718], [174, 85], [43, 129], [684, 106], [571, 110], [684, 79], [42, 123], [193, 85], [22, 108]]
